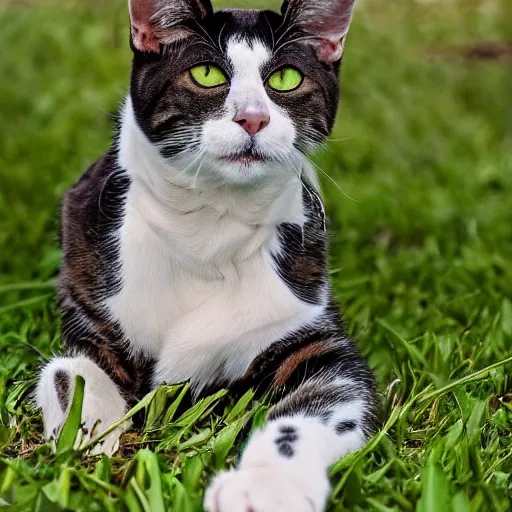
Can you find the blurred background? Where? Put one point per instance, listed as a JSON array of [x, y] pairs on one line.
[[417, 178]]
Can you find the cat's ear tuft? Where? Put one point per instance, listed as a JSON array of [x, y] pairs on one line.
[[326, 21], [156, 22]]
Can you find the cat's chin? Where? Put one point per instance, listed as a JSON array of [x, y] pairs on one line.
[[242, 172], [244, 169]]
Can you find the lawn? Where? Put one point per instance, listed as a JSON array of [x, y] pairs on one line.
[[417, 179]]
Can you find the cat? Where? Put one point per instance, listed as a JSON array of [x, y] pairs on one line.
[[195, 248]]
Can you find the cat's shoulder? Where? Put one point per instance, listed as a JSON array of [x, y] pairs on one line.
[[98, 190], [93, 207], [93, 180]]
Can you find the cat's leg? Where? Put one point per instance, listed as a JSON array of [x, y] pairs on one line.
[[103, 405], [115, 378], [330, 411]]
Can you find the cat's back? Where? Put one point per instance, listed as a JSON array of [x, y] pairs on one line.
[[92, 213]]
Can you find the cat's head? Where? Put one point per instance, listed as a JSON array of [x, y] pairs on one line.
[[232, 94]]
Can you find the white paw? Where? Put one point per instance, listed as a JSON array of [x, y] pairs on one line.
[[108, 445], [102, 406], [264, 489]]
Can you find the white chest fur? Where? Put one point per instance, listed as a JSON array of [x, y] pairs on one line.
[[197, 325], [200, 292]]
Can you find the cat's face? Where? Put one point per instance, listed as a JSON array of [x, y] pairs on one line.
[[231, 94]]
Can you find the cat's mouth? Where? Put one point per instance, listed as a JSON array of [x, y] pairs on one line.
[[244, 158]]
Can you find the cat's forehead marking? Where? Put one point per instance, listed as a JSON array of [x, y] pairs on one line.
[[247, 57]]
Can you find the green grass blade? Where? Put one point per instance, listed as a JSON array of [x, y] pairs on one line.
[[413, 352], [142, 500], [225, 441], [149, 480], [71, 427], [27, 303], [129, 415], [28, 286], [240, 407], [171, 411], [480, 374], [181, 500], [435, 495]]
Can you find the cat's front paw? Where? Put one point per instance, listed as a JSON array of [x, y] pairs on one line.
[[108, 446], [265, 489]]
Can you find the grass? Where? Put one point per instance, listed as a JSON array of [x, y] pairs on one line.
[[421, 252]]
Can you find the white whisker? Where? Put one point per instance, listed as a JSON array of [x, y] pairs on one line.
[[287, 31], [194, 184], [220, 36], [200, 155], [208, 36], [333, 181], [271, 32], [297, 40]]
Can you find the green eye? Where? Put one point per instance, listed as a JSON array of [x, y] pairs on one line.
[[286, 79], [208, 75]]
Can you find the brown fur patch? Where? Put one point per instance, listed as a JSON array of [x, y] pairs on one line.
[[292, 362], [107, 354]]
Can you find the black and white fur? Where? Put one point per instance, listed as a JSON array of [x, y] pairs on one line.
[[196, 251]]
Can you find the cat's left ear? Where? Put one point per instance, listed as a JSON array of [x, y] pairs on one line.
[[156, 22], [327, 21]]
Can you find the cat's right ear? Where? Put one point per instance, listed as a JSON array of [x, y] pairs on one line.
[[326, 21], [157, 22]]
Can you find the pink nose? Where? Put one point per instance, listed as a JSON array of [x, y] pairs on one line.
[[252, 120]]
